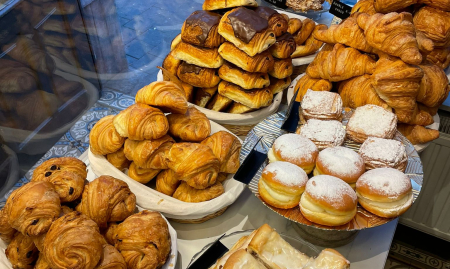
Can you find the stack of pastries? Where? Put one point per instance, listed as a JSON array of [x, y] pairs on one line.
[[188, 162], [390, 54], [60, 221], [235, 62], [265, 248], [341, 177]]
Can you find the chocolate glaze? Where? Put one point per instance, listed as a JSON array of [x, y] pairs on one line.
[[246, 23], [205, 20], [265, 12], [190, 68]]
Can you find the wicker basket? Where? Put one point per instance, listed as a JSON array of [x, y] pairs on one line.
[[239, 130], [201, 220]]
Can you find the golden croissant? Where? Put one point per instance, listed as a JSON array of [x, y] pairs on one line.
[[140, 122], [109, 233], [193, 126], [434, 24], [440, 57], [73, 241], [364, 6], [142, 175], [306, 83], [312, 44], [165, 95], [421, 117], [347, 33], [33, 207], [103, 138], [107, 199], [167, 182], [306, 30], [144, 240], [386, 6], [111, 259], [227, 148], [41, 262], [433, 87], [425, 44], [194, 163], [439, 4], [118, 159], [340, 64], [417, 134], [188, 194], [393, 33], [21, 252], [294, 25], [6, 231], [149, 153]]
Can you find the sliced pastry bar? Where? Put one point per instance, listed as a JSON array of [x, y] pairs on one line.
[[328, 258]]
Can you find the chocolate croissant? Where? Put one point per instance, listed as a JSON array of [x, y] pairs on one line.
[[203, 57], [255, 98], [306, 30], [284, 46], [227, 148], [277, 23], [6, 231], [109, 233], [167, 182], [294, 25], [21, 252], [140, 122], [73, 241], [199, 174], [204, 95], [103, 138], [33, 207], [246, 80], [278, 85], [118, 159], [111, 259], [221, 4], [219, 103], [144, 240], [198, 76], [200, 29], [165, 95], [262, 62], [282, 68], [171, 64], [193, 126], [188, 194], [107, 199], [237, 108], [149, 153]]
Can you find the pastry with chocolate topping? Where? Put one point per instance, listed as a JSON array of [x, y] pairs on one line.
[[198, 76], [221, 4], [200, 29], [277, 23]]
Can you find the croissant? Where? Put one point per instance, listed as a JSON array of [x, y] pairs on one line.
[[188, 194], [440, 57], [165, 95], [148, 153], [306, 82], [111, 259], [364, 6], [294, 25], [386, 6], [334, 65], [41, 262], [140, 122], [16, 77], [421, 117], [198, 76], [255, 98], [393, 33], [203, 95], [417, 134], [425, 44], [237, 108], [167, 182], [246, 80], [434, 24], [200, 29], [277, 23], [194, 163], [73, 241], [306, 30], [118, 159], [109, 233], [439, 4], [431, 110], [193, 126], [107, 199], [103, 138], [262, 62], [33, 207], [227, 148], [347, 33], [144, 240], [282, 68], [142, 175], [6, 231], [433, 86], [222, 4], [311, 45], [21, 252]]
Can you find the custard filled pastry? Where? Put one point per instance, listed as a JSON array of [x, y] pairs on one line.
[[188, 194], [434, 24], [198, 174], [324, 134], [311, 44], [193, 126], [237, 108], [328, 258], [244, 79], [144, 240], [279, 85], [203, 57], [221, 4], [204, 95], [103, 138], [227, 148], [306, 31], [295, 149], [198, 76], [21, 252], [149, 153], [381, 153], [6, 231], [142, 175], [167, 182], [140, 122], [284, 46], [118, 159], [107, 199], [322, 105], [111, 259], [246, 30], [219, 103], [328, 200], [371, 120], [282, 68], [294, 25], [385, 192], [200, 29], [277, 23], [241, 244], [306, 82], [262, 62], [165, 95], [255, 98]]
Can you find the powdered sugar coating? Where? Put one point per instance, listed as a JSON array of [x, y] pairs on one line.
[[322, 102], [383, 150], [341, 161], [373, 120], [291, 147], [388, 182], [329, 188], [330, 132], [287, 173]]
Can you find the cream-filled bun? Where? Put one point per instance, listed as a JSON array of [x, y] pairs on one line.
[[295, 149], [386, 192], [340, 162], [328, 200], [281, 184]]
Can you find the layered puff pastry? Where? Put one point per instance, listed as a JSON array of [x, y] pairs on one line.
[[371, 120], [255, 98], [284, 46], [324, 134], [171, 64], [246, 30], [282, 68], [306, 83], [322, 105], [6, 231], [103, 138], [417, 134], [262, 62], [143, 240], [186, 193], [203, 57], [41, 262], [380, 153], [242, 259], [140, 122], [165, 95], [221, 4], [167, 182], [308, 26], [434, 86], [200, 29], [21, 252], [277, 23], [311, 44], [294, 25], [142, 175], [111, 259], [328, 258], [227, 148], [198, 76], [149, 153], [237, 108], [219, 103], [204, 95], [279, 85], [193, 126], [440, 4], [118, 159], [244, 79], [434, 24], [440, 57]]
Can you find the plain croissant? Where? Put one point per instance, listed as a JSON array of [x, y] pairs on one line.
[[149, 154], [165, 95], [364, 6], [417, 134], [434, 86]]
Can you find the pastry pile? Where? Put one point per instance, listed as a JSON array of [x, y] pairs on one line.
[[235, 62], [265, 248], [59, 221], [389, 54], [375, 172], [177, 149]]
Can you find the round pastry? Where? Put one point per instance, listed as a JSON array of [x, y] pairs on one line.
[[386, 192], [324, 134], [282, 184], [340, 162], [328, 200], [103, 138], [379, 153], [21, 252], [295, 149]]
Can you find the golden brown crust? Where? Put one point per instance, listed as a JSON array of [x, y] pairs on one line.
[[118, 159], [165, 95], [364, 6], [433, 86], [54, 166], [282, 68], [278, 24], [279, 85], [199, 77], [175, 42], [440, 57], [6, 231], [262, 62], [284, 46], [110, 232], [142, 175], [434, 24], [193, 126], [149, 153], [195, 34], [311, 44], [203, 57], [227, 148], [103, 138], [439, 4], [188, 194], [305, 31], [167, 182], [243, 78], [111, 259], [171, 64], [306, 82], [219, 103], [41, 262], [237, 108], [204, 95], [358, 91], [294, 25], [21, 252], [417, 134], [256, 98], [221, 4], [386, 6]]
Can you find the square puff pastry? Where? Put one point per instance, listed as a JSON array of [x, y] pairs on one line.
[[322, 105], [328, 258], [381, 153], [324, 134]]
